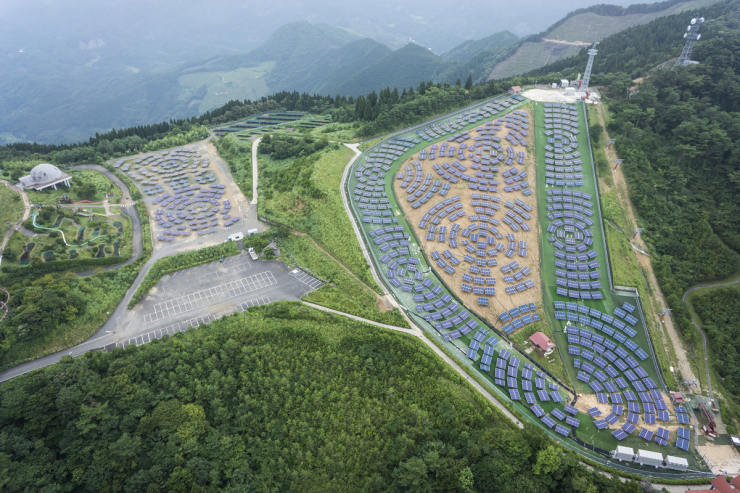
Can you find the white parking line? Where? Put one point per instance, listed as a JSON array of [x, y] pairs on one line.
[[209, 296], [312, 282], [194, 322]]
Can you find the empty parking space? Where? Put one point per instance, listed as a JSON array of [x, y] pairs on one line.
[[312, 282], [209, 296]]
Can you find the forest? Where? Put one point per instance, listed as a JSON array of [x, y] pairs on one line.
[[679, 136], [280, 398]]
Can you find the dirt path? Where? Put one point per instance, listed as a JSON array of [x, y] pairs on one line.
[[574, 43], [255, 173], [701, 331], [658, 300]]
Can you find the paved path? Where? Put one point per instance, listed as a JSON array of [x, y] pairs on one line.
[[701, 331], [126, 207], [417, 332], [255, 145]]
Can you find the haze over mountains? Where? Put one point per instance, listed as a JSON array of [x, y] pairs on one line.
[[73, 69]]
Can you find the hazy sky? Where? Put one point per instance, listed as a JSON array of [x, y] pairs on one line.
[[185, 27]]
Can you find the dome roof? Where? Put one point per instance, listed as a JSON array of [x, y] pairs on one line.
[[44, 173]]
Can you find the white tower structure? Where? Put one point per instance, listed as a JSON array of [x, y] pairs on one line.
[[587, 74], [690, 36]]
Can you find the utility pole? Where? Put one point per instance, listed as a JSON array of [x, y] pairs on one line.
[[664, 312], [617, 163], [611, 141], [636, 231], [587, 74]]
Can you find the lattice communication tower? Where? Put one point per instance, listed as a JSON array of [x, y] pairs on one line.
[[587, 74], [691, 35]]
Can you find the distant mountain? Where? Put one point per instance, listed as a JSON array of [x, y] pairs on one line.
[[404, 67], [467, 50], [335, 67]]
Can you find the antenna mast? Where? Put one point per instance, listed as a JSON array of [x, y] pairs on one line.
[[691, 35], [587, 74]]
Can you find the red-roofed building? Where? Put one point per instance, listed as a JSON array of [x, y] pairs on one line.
[[541, 343], [514, 90], [677, 397], [720, 485]]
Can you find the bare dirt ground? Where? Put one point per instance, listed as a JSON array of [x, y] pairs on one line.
[[658, 300], [501, 301], [588, 401], [724, 459]]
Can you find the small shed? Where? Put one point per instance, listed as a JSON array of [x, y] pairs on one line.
[[514, 90], [735, 440], [541, 343], [623, 453], [677, 463], [677, 397], [563, 83]]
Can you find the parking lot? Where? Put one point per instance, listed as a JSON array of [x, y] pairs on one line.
[[199, 295]]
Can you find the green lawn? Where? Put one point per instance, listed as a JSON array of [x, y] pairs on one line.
[[242, 83]]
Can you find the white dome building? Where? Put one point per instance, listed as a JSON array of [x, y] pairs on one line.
[[45, 176]]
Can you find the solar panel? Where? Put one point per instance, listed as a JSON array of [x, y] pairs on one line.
[[548, 421], [530, 398], [683, 419], [562, 430], [664, 416], [594, 411], [573, 421], [537, 410], [514, 394], [611, 419], [650, 419], [663, 433], [682, 444], [616, 398], [628, 428], [571, 410], [511, 382], [601, 424], [556, 397], [633, 407], [683, 433], [660, 441], [543, 395], [558, 413], [633, 418], [646, 434], [619, 434], [527, 385], [602, 398]]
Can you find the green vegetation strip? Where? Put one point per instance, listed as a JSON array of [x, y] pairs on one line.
[[168, 265]]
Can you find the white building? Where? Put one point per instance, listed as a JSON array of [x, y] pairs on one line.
[[45, 176]]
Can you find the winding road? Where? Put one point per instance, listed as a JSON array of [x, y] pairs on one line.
[[701, 331]]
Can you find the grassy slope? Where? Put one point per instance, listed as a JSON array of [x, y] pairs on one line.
[[324, 219], [345, 292], [531, 56], [11, 208]]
